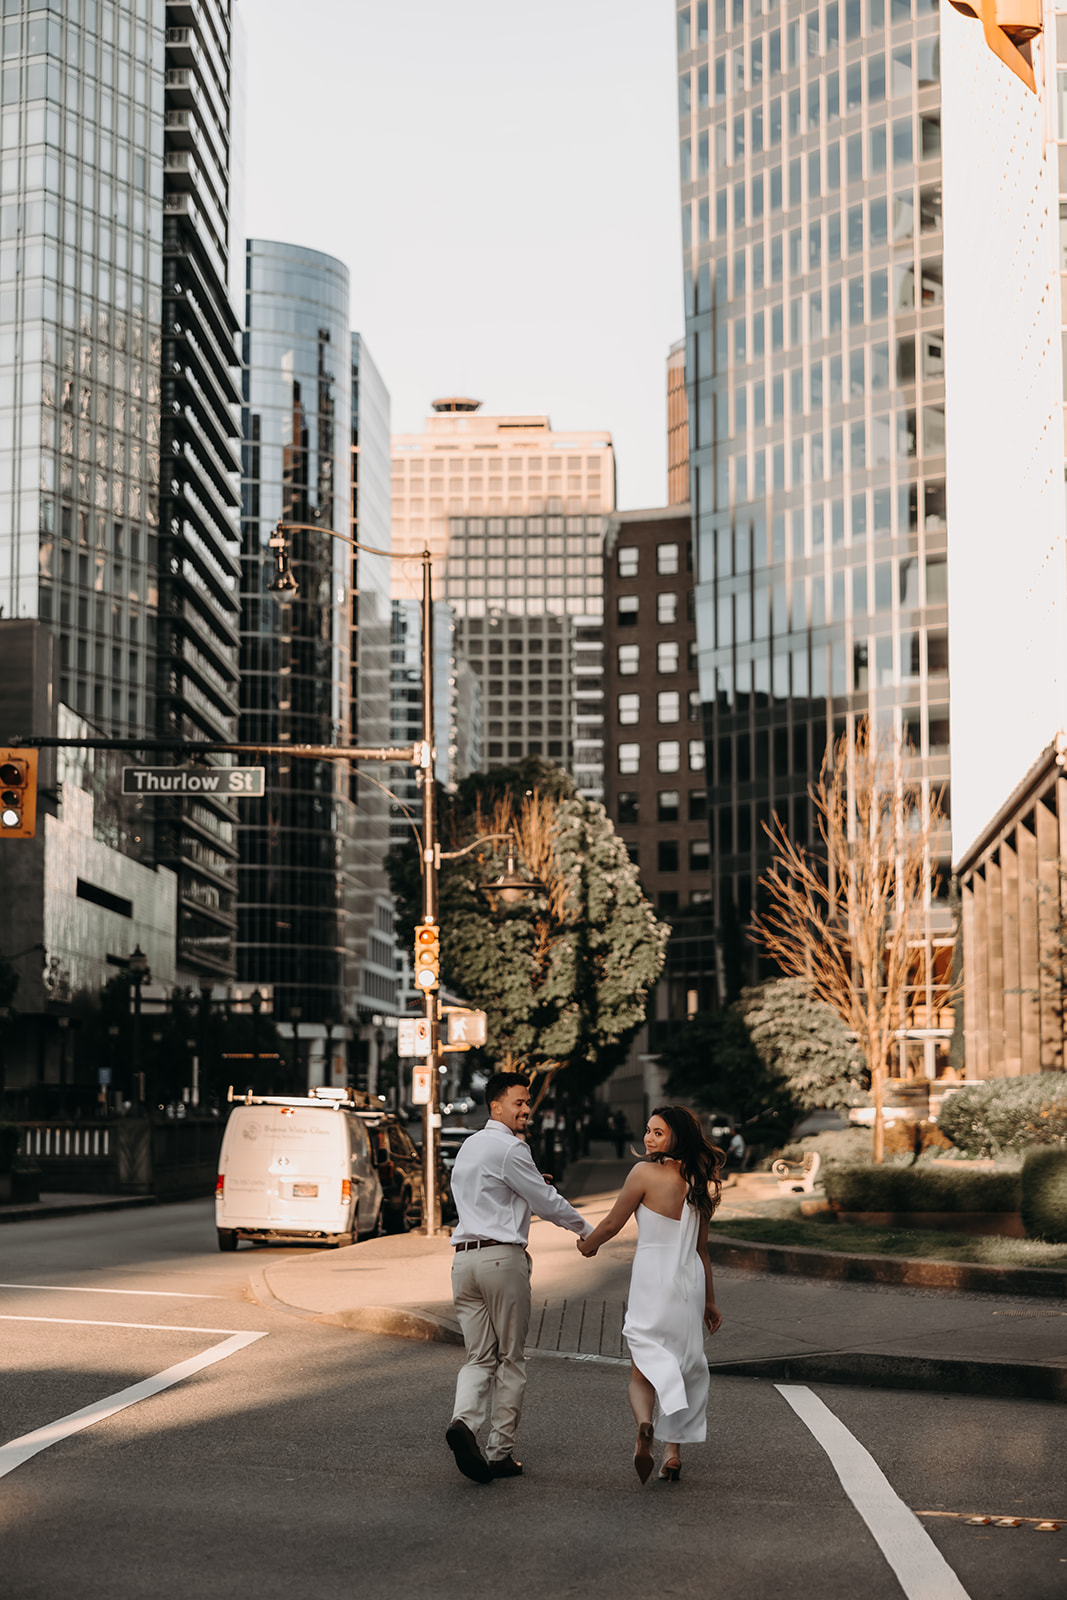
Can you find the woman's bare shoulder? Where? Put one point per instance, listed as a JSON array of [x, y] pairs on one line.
[[665, 1177]]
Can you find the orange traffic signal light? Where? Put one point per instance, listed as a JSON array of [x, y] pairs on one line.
[[18, 794], [427, 955], [1009, 25]]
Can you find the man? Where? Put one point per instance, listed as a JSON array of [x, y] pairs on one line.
[[496, 1186]]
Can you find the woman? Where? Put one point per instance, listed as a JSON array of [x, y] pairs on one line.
[[672, 1297]]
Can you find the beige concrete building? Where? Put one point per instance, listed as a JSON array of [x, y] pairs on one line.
[[467, 464], [677, 427], [514, 513]]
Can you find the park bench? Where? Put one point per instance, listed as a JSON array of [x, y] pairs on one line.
[[794, 1181]]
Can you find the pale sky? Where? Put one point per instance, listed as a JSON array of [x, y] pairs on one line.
[[501, 179]]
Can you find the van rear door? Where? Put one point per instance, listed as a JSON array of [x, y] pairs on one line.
[[308, 1165]]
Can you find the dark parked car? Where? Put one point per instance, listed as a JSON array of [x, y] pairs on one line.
[[399, 1166], [451, 1139]]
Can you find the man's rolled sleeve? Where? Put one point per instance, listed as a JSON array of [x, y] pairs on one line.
[[520, 1171]]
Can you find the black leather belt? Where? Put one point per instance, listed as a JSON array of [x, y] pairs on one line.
[[482, 1244]]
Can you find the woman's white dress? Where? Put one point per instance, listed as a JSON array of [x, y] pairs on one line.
[[664, 1325]]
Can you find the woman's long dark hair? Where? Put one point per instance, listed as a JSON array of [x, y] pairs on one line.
[[701, 1162]]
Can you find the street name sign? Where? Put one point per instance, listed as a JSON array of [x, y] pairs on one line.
[[412, 1036], [243, 782]]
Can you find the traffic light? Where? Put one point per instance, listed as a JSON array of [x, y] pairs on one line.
[[1009, 25], [427, 955], [18, 794]]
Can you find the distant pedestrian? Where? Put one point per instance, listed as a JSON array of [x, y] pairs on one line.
[[619, 1131], [735, 1152], [672, 1296], [496, 1187]]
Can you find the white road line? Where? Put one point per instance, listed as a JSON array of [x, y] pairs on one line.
[[920, 1568], [77, 1288], [30, 1444], [94, 1322]]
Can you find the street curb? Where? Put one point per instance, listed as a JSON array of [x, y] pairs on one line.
[[399, 1323], [840, 1267], [1000, 1380], [132, 1202]]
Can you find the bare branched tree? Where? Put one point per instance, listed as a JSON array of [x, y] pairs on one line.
[[847, 918]]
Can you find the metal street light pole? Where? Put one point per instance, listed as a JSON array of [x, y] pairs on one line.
[[137, 967], [423, 757]]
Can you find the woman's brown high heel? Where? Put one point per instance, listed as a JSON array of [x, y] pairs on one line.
[[643, 1461], [671, 1470]]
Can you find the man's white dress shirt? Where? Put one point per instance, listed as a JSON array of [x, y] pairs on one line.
[[496, 1186]]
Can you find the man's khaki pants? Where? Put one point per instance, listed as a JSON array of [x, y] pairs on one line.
[[491, 1290]]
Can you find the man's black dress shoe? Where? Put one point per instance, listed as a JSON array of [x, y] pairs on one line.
[[507, 1468], [469, 1458]]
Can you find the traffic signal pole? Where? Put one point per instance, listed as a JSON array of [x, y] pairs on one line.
[[431, 1112]]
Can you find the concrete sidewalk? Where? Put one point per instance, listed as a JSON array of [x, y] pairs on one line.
[[773, 1327]]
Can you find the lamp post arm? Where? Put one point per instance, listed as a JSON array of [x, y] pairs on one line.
[[454, 855], [283, 529]]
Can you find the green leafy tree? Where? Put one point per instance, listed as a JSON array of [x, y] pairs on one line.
[[804, 1044], [564, 977], [713, 1063]]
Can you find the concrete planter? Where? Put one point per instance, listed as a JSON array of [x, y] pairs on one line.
[[1007, 1224]]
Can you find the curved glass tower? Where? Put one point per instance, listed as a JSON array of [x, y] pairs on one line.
[[295, 652]]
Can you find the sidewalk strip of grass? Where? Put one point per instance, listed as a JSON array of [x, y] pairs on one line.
[[918, 1244]]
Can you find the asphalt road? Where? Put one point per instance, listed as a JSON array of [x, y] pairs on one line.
[[310, 1461]]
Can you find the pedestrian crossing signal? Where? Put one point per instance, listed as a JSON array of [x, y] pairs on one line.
[[18, 794], [427, 956]]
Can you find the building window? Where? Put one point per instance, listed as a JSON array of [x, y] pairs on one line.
[[626, 610], [698, 805], [694, 705], [667, 855], [699, 855], [696, 755], [626, 561], [629, 758], [668, 706], [668, 755], [667, 606], [629, 657], [667, 802], [629, 708], [666, 655], [629, 812], [666, 559]]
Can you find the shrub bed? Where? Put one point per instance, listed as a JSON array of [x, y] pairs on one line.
[[1005, 1116], [1044, 1194], [920, 1188]]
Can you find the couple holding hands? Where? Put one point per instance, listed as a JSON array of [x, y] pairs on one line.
[[496, 1187]]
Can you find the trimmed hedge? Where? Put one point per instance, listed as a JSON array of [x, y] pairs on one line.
[[834, 1147], [10, 1134], [920, 1189], [1005, 1116], [1044, 1194]]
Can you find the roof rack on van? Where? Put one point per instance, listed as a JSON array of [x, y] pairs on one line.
[[318, 1094]]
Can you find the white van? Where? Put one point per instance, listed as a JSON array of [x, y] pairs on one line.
[[297, 1169]]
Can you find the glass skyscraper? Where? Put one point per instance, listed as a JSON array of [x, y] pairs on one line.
[[295, 652], [199, 567], [810, 151], [81, 233]]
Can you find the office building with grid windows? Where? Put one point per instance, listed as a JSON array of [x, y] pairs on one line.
[[514, 514], [197, 665], [811, 212]]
